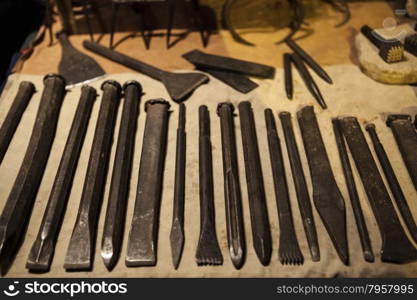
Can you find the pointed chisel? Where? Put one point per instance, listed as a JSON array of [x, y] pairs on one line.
[[119, 187], [42, 251], [80, 252], [177, 236], [327, 197]]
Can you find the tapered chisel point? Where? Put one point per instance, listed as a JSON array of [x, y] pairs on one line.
[[107, 253], [177, 242], [79, 250], [369, 256], [237, 256], [263, 249], [40, 256]]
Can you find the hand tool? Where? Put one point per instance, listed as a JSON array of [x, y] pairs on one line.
[[261, 232], [289, 250], [393, 182], [232, 192], [76, 67], [306, 58], [308, 80], [18, 207], [343, 7], [208, 250], [353, 193], [410, 44], [120, 182], [390, 51], [143, 235], [179, 85], [211, 61], [80, 252], [326, 194], [177, 236], [396, 247], [288, 75], [298, 19], [13, 117], [406, 138], [42, 251], [235, 80], [300, 185]]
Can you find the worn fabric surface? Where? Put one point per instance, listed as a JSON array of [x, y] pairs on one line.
[[353, 93]]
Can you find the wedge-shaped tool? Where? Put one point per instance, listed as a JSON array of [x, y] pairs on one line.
[[232, 192], [80, 252], [289, 250], [211, 61], [9, 126], [288, 75], [327, 197], [396, 247], [179, 85], [393, 182], [208, 250], [177, 236], [143, 235], [76, 67], [353, 193], [42, 251], [261, 232], [119, 187], [300, 186], [18, 207], [406, 137]]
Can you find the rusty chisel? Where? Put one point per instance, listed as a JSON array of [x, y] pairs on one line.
[[18, 207]]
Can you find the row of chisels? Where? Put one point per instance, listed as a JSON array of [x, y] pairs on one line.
[[143, 235]]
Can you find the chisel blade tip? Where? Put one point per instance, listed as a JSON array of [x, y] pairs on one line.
[[177, 243]]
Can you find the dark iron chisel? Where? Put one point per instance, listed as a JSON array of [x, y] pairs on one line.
[[390, 51], [208, 250], [308, 80], [120, 181], [393, 182], [43, 248], [211, 61], [353, 193], [410, 44], [309, 61], [261, 232], [232, 191], [179, 85], [327, 197], [177, 236], [235, 80], [289, 249], [406, 137], [80, 252], [13, 117], [288, 76], [396, 247], [300, 186], [143, 235], [18, 206]]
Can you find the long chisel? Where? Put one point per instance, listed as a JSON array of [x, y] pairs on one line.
[[208, 250], [261, 232], [80, 252], [300, 186], [327, 197], [143, 235], [393, 182], [18, 207], [396, 247], [289, 249], [9, 126], [406, 138], [177, 235], [232, 191], [42, 251], [353, 193], [119, 187]]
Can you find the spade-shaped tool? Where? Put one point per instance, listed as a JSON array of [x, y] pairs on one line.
[[76, 67], [178, 85]]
